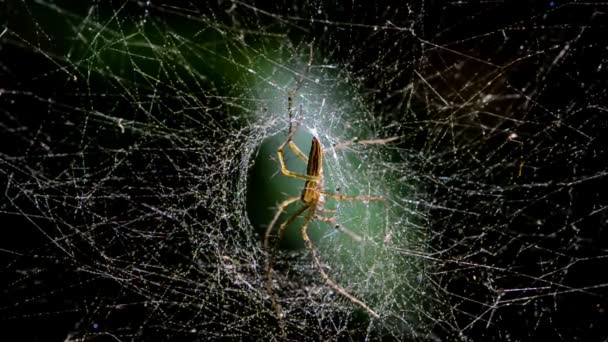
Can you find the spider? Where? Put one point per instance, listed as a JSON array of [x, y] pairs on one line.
[[312, 199]]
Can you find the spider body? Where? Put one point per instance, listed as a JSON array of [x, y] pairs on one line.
[[311, 193]]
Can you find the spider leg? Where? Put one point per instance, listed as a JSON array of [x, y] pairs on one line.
[[296, 150], [292, 129], [345, 231], [299, 82], [353, 198], [299, 153], [271, 253], [330, 219], [289, 173], [346, 144], [328, 281], [349, 233], [280, 209], [290, 96]]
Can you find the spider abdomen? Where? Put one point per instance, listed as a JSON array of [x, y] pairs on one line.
[[311, 191]]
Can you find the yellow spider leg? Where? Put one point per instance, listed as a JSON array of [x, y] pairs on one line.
[[280, 209], [290, 96], [328, 281], [326, 219], [297, 151], [339, 228], [270, 260], [292, 93], [353, 198], [292, 130], [345, 144], [289, 173], [351, 234]]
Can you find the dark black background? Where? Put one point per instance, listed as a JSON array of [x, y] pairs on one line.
[[48, 293]]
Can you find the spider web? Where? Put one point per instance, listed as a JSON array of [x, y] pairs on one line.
[[139, 169]]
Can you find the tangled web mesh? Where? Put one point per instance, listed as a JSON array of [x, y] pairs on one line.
[[132, 129]]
